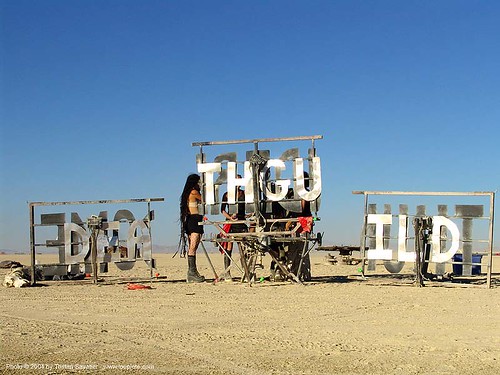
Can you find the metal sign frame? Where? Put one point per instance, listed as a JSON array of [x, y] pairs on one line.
[[264, 231], [439, 237], [93, 223]]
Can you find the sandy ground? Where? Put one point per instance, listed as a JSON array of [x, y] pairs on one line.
[[336, 324]]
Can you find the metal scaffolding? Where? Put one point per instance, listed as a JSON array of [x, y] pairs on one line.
[[464, 212]]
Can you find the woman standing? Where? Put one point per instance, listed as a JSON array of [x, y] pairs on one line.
[[191, 231]]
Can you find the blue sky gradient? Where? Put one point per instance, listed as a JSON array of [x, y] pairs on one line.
[[102, 99]]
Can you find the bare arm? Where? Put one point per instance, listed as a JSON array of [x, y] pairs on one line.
[[224, 207], [195, 196]]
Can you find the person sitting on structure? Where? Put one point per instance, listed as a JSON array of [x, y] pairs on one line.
[[233, 227]]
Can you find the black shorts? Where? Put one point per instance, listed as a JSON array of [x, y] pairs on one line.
[[192, 225], [238, 228]]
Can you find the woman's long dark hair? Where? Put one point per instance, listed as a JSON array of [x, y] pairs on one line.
[[191, 183]]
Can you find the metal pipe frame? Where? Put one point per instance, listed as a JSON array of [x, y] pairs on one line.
[[251, 238], [32, 205], [257, 140], [491, 218], [425, 193], [105, 201]]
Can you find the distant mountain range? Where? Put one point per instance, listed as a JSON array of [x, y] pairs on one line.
[[169, 249], [156, 249], [164, 248], [10, 251]]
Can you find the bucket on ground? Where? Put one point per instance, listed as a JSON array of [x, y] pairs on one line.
[[476, 269]]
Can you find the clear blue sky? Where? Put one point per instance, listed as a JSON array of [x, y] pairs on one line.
[[102, 99]]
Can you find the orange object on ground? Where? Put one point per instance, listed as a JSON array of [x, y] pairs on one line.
[[137, 286]]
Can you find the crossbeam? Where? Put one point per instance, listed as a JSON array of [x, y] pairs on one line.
[[257, 140]]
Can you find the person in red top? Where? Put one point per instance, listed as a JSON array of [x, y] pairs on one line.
[[234, 228]]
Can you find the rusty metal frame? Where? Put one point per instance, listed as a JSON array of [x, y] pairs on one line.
[[32, 205], [490, 194]]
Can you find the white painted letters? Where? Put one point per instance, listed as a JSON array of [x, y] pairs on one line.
[[404, 256]]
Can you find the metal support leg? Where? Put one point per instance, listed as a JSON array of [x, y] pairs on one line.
[[302, 258], [244, 263], [232, 260], [285, 271], [209, 261]]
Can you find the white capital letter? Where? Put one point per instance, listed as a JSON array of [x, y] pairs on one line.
[[403, 255], [143, 239], [379, 252], [209, 169], [315, 191], [82, 233], [437, 223], [281, 185], [233, 182]]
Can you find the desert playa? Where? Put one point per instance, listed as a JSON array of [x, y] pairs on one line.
[[335, 324]]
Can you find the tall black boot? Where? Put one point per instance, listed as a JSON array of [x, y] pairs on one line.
[[227, 263], [192, 275]]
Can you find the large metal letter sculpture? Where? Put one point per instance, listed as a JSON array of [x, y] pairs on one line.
[[276, 190], [74, 239], [445, 240]]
